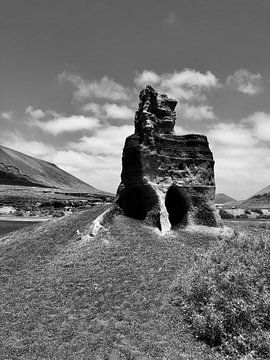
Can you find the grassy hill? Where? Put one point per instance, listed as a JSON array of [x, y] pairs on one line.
[[68, 295], [19, 169]]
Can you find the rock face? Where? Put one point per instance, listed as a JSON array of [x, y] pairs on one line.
[[167, 180]]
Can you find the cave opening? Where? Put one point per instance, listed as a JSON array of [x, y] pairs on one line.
[[177, 205], [137, 200]]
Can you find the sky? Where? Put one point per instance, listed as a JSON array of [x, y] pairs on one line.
[[71, 72]]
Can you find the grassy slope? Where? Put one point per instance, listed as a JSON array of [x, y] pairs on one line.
[[100, 298]]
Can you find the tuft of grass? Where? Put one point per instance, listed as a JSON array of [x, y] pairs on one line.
[[225, 295]]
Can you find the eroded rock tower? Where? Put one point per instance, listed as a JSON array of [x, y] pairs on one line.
[[167, 180]]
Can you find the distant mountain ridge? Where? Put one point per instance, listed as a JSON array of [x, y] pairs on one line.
[[223, 198], [259, 199], [17, 168]]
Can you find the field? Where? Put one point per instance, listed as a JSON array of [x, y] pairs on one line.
[[68, 295], [7, 226]]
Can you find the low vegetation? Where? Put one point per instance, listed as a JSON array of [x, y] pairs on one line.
[[225, 295]]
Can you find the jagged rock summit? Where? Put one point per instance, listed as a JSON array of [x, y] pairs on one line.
[[167, 179]]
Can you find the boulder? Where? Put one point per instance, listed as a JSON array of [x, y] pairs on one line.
[[166, 180]]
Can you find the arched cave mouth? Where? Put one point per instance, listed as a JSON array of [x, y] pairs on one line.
[[136, 201], [177, 205]]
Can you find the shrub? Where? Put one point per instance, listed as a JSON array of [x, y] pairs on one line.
[[247, 212], [243, 216], [225, 214], [258, 211], [226, 297]]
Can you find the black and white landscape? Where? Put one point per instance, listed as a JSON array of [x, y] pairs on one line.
[[134, 180]]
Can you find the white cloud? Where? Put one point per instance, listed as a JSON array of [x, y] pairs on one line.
[[115, 111], [188, 84], [109, 111], [146, 77], [7, 115], [261, 124], [200, 112], [231, 134], [171, 18], [107, 141], [35, 113], [245, 82], [242, 161], [104, 88], [50, 121], [16, 141], [67, 124], [99, 171]]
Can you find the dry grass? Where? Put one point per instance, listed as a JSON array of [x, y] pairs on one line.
[[67, 296], [225, 294]]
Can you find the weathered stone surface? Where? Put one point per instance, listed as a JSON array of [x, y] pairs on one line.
[[167, 179]]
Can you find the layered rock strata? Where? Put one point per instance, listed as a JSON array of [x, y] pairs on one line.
[[167, 180]]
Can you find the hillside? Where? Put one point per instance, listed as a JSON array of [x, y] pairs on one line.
[[19, 169], [69, 296], [259, 200], [223, 198]]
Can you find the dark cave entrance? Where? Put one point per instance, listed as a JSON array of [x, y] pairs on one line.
[[177, 205], [136, 201]]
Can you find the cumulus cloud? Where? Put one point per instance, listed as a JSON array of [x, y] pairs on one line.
[[188, 84], [245, 82], [261, 125], [34, 113], [109, 111], [7, 115], [102, 172], [242, 160], [97, 159], [104, 88], [147, 77], [231, 134], [16, 141], [170, 18], [107, 141], [67, 124], [55, 124], [199, 112]]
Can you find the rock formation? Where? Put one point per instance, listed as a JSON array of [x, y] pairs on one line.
[[167, 180]]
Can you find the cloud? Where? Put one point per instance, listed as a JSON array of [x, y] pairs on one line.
[[99, 171], [171, 18], [108, 141], [16, 141], [35, 113], [7, 115], [231, 134], [147, 77], [104, 88], [55, 124], [261, 125], [109, 111], [246, 82], [242, 160], [188, 84], [97, 159], [67, 124], [200, 112]]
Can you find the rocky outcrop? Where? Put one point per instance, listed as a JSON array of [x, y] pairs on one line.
[[167, 180]]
